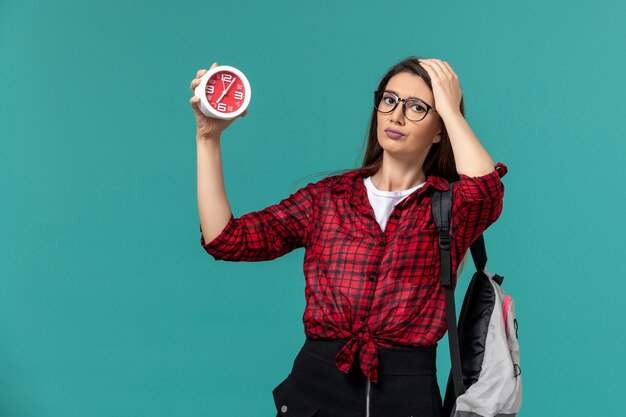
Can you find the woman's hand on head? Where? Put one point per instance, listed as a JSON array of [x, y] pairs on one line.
[[207, 127], [446, 87]]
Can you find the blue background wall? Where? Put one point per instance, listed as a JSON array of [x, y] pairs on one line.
[[109, 306]]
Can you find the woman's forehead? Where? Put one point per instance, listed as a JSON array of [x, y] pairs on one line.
[[409, 85]]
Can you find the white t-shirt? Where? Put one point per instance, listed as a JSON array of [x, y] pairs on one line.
[[383, 202]]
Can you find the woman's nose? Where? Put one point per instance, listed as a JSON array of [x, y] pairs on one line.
[[397, 115]]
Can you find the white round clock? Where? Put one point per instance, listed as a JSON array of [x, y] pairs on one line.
[[224, 92]]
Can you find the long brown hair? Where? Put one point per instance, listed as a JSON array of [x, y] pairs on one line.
[[440, 158]]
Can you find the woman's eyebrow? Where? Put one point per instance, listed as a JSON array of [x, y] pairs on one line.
[[391, 91]]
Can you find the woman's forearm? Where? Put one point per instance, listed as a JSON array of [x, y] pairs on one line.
[[469, 155], [213, 207]]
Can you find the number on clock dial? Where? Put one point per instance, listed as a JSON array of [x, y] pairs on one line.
[[220, 82]]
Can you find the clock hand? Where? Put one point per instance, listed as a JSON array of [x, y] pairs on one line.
[[223, 86], [226, 91], [230, 85]]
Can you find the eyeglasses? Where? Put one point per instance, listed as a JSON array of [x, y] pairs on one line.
[[386, 102]]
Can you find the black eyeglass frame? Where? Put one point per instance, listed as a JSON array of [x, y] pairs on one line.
[[403, 100]]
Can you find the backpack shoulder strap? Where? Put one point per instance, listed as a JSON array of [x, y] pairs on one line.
[[442, 209]]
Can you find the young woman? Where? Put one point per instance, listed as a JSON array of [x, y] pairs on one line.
[[375, 308]]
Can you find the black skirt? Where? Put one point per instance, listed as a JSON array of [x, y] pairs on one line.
[[407, 384]]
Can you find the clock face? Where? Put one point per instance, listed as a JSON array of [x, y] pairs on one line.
[[225, 92]]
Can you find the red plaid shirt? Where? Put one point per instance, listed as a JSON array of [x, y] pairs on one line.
[[372, 287]]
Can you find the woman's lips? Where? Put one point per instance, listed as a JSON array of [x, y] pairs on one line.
[[392, 134]]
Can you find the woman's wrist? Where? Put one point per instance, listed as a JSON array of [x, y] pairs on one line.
[[202, 138]]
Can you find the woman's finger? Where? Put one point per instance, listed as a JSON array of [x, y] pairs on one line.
[[449, 68], [194, 102], [443, 67], [196, 81], [434, 66]]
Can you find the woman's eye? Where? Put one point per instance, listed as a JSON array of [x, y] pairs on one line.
[[417, 108], [389, 100]]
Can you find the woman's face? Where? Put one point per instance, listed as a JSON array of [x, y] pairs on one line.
[[417, 137]]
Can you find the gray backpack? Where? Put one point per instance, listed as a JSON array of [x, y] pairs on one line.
[[485, 378]]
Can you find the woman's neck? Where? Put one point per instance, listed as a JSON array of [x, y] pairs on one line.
[[398, 181]]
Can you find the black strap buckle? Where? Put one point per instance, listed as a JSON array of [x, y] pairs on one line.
[[445, 240]]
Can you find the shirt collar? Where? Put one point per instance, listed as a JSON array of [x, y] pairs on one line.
[[352, 181]]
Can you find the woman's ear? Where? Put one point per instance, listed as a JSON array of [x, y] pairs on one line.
[[437, 138]]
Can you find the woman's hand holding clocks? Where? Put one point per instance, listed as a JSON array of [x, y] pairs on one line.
[[446, 87], [208, 127]]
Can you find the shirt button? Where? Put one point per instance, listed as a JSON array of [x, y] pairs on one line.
[[381, 244], [363, 318], [372, 277], [283, 409]]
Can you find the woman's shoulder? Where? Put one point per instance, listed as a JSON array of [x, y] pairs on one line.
[[343, 181], [337, 182]]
